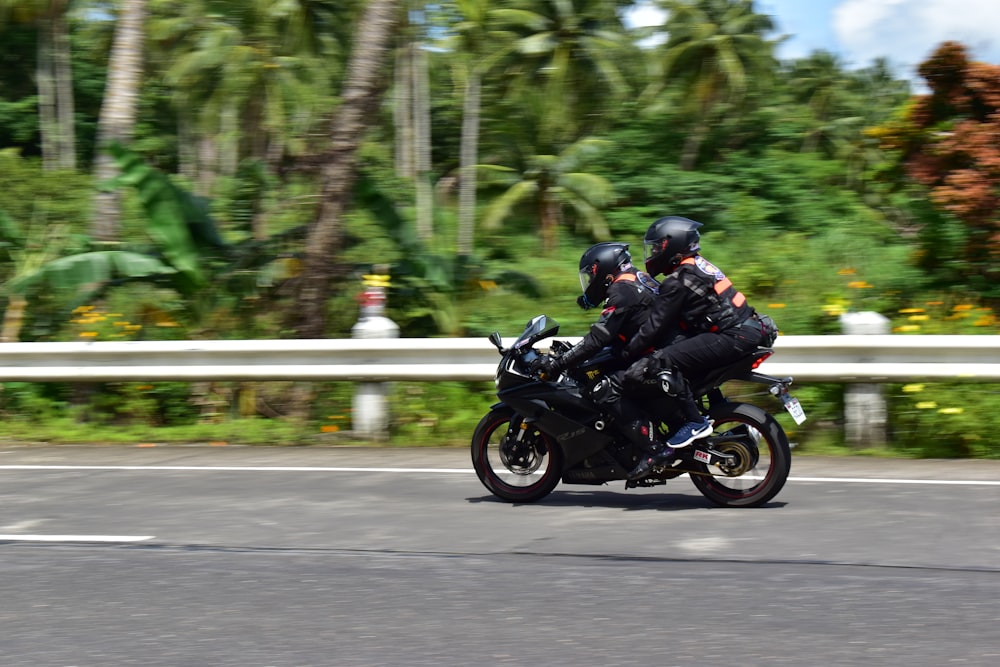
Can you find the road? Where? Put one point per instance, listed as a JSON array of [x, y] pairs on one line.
[[295, 557]]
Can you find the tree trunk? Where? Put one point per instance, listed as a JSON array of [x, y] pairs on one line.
[[208, 164], [549, 214], [13, 319], [47, 124], [63, 77], [422, 148], [362, 92], [118, 113], [402, 114], [692, 146], [468, 157], [187, 154]]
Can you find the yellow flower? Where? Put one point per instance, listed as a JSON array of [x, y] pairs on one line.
[[775, 305], [951, 411], [860, 284], [905, 311], [834, 309], [926, 405], [918, 318], [913, 388]]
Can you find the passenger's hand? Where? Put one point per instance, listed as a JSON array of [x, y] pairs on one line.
[[641, 371]]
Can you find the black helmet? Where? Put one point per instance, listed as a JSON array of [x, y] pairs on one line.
[[668, 241], [599, 266]]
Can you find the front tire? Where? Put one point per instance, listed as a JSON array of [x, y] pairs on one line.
[[762, 457], [513, 459]]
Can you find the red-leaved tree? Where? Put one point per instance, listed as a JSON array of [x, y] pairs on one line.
[[950, 142]]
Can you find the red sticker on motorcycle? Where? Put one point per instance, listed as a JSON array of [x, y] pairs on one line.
[[704, 457]]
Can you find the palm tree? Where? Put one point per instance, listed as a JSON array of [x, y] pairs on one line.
[[413, 122], [716, 50], [248, 78], [118, 111], [480, 47], [550, 184], [819, 81], [54, 76], [570, 49], [360, 98]]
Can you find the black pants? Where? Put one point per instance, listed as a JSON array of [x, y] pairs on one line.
[[695, 354], [692, 356]]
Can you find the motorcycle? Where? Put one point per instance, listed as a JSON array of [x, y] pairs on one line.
[[547, 430]]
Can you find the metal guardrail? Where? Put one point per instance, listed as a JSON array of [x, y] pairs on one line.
[[845, 358]]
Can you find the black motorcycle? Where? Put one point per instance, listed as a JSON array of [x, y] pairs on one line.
[[546, 430]]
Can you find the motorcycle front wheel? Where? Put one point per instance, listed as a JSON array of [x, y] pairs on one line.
[[760, 457], [513, 459]]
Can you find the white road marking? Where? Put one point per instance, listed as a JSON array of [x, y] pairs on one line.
[[75, 538], [237, 468], [887, 480], [464, 471]]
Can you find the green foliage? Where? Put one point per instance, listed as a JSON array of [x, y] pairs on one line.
[[439, 414], [178, 223], [945, 420], [807, 211], [31, 195]]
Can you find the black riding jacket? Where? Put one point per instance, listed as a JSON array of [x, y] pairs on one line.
[[696, 298], [625, 310]]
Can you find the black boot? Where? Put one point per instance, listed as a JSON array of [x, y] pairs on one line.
[[642, 433], [649, 461]]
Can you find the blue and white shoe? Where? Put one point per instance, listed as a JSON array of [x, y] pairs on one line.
[[690, 432]]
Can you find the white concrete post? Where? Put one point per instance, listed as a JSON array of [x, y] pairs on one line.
[[370, 417], [865, 412]]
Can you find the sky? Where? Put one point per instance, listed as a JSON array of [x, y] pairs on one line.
[[904, 31]]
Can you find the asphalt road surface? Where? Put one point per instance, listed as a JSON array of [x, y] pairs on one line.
[[294, 557]]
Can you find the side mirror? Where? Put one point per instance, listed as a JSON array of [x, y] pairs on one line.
[[496, 340]]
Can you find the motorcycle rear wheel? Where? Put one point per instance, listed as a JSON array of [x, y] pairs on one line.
[[515, 461], [762, 457]]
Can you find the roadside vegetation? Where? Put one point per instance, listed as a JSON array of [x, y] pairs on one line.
[[210, 170]]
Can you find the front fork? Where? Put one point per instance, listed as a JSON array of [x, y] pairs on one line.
[[519, 451]]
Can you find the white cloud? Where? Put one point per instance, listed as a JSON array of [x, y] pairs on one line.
[[908, 31], [644, 14]]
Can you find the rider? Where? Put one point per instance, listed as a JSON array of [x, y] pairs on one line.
[[608, 277], [698, 321]]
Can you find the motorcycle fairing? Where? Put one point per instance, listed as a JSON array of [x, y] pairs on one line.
[[577, 439]]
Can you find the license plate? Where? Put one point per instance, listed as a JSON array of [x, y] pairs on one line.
[[794, 409]]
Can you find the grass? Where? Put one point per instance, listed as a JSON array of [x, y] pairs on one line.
[[65, 430]]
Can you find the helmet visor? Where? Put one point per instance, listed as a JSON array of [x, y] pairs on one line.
[[653, 247], [587, 274]]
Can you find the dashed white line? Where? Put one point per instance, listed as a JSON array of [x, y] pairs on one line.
[[74, 538]]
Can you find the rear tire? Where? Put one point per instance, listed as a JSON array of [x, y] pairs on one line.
[[761, 451], [515, 461]]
